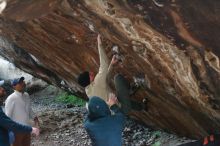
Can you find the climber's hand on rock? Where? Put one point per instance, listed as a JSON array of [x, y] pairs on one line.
[[114, 60], [99, 39]]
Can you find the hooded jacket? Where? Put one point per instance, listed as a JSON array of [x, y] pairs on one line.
[[6, 124], [104, 128]]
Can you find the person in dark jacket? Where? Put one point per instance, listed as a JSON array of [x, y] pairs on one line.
[[104, 128], [6, 125]]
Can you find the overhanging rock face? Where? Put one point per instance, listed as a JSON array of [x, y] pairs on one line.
[[173, 42]]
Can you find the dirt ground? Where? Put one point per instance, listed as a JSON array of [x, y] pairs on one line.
[[62, 125]]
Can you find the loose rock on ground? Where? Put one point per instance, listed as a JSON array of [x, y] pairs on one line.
[[63, 126]]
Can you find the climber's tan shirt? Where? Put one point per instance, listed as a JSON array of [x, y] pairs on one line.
[[99, 86]]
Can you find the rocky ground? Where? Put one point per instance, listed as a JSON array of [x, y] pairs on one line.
[[61, 125]]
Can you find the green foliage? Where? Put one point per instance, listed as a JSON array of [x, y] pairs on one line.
[[157, 144], [157, 133], [70, 99]]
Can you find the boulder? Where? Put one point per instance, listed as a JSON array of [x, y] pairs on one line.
[[173, 44]]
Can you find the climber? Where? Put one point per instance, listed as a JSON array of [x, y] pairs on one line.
[[98, 86], [6, 125], [104, 128]]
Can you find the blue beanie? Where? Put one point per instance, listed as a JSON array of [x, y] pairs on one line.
[[97, 108]]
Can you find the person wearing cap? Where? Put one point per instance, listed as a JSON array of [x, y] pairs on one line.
[[6, 125], [18, 108]]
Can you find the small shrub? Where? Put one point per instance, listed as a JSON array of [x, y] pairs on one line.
[[70, 99]]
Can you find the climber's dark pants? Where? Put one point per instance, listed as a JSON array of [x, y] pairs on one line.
[[122, 87]]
